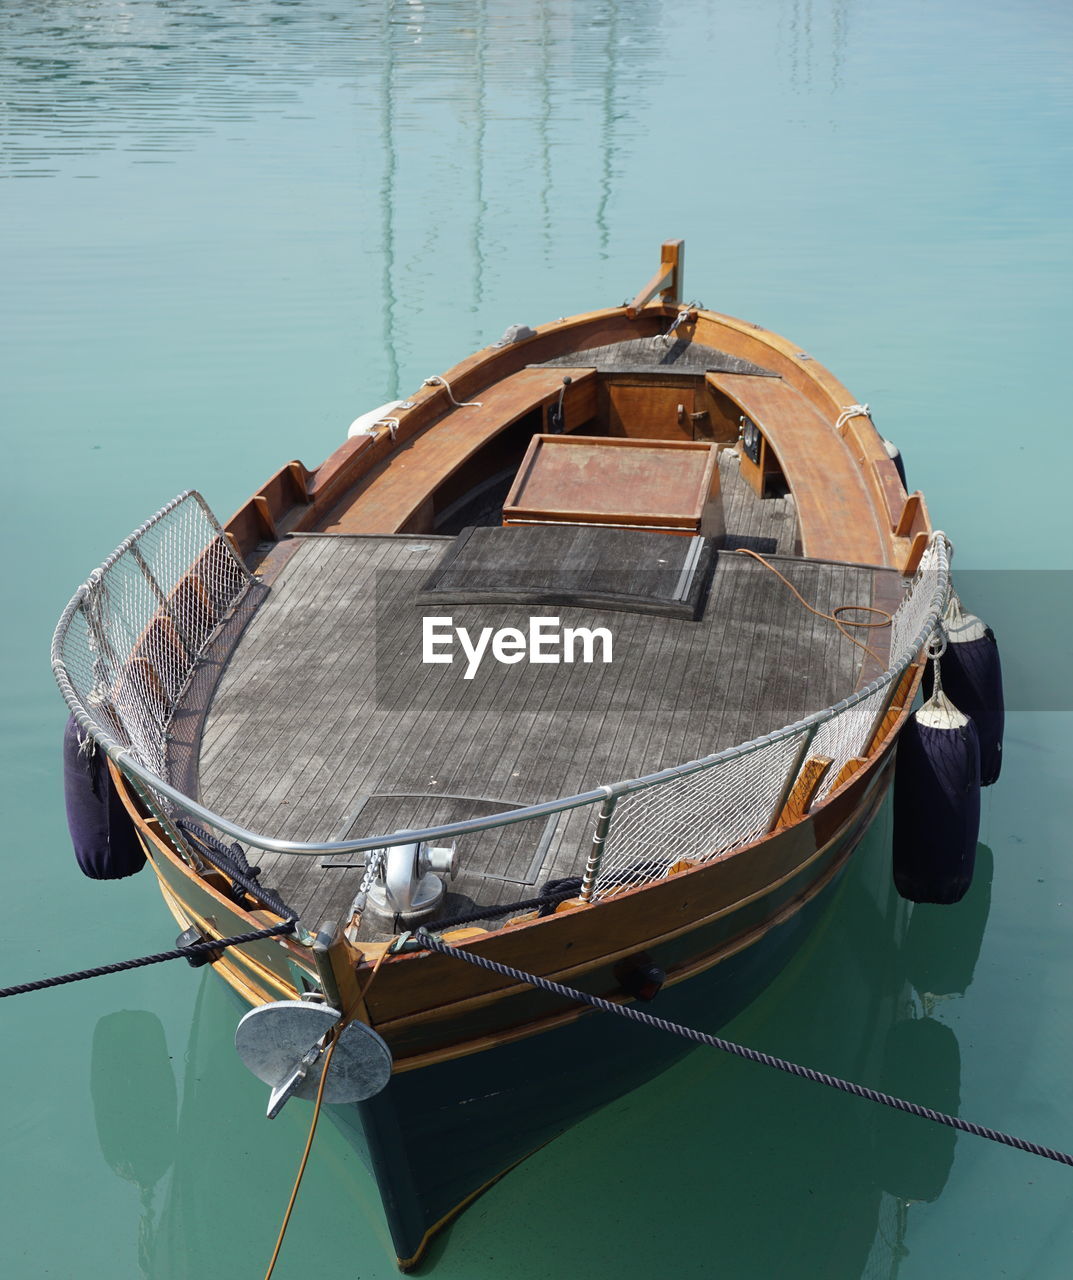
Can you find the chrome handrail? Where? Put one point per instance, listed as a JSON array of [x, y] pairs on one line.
[[129, 764]]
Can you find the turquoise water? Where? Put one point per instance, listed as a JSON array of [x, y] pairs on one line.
[[226, 231]]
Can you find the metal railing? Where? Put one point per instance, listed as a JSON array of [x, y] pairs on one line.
[[132, 638]]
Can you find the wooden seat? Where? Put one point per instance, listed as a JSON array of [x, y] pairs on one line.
[[394, 492], [827, 485]]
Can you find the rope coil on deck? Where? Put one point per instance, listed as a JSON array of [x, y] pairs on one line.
[[431, 943], [885, 619]]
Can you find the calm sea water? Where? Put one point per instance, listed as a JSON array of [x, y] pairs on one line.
[[226, 231]]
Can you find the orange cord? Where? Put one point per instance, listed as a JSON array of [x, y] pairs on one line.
[[885, 619], [334, 1033]]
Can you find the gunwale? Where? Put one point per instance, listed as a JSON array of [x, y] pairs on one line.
[[407, 975], [297, 500]]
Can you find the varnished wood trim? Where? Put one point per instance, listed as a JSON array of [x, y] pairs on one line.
[[803, 792], [235, 975], [903, 693], [565, 974], [914, 555], [852, 766], [667, 281], [681, 973], [909, 516], [264, 513]]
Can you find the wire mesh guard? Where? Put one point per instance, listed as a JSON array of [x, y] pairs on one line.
[[702, 815], [130, 641], [131, 637], [696, 817]]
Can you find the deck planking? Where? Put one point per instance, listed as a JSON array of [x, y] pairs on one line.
[[657, 355], [326, 725]]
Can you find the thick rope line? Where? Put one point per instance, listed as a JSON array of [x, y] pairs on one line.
[[554, 898], [230, 862], [743, 1051], [180, 953]]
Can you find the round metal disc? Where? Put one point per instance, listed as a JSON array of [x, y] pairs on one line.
[[273, 1038]]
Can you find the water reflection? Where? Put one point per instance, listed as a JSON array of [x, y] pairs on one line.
[[134, 1106], [942, 944], [921, 1062], [798, 1181], [815, 38], [912, 1159]]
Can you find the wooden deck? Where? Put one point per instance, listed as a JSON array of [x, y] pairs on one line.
[[326, 723], [769, 527], [657, 355]]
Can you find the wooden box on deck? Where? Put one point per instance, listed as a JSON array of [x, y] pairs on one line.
[[672, 485]]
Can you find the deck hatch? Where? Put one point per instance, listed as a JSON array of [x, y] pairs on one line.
[[627, 570]]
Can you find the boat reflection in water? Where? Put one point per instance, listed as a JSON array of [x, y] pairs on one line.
[[715, 1140]]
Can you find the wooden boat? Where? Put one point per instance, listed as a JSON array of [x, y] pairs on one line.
[[677, 757]]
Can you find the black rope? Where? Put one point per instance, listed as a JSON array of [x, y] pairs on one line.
[[233, 863], [554, 892], [180, 953], [743, 1051]]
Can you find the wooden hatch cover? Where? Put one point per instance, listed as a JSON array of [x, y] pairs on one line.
[[668, 485], [588, 566]]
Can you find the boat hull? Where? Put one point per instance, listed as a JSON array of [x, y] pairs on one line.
[[441, 1134]]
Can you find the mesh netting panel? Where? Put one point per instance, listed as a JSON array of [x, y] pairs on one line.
[[736, 800], [133, 635], [848, 734], [697, 817], [912, 613]]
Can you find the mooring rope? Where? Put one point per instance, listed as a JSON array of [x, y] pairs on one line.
[[852, 411], [570, 887], [179, 953], [743, 1051], [234, 863]]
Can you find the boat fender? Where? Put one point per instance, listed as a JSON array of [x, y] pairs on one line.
[[515, 333], [895, 455], [936, 803], [366, 424], [972, 675], [105, 841]]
